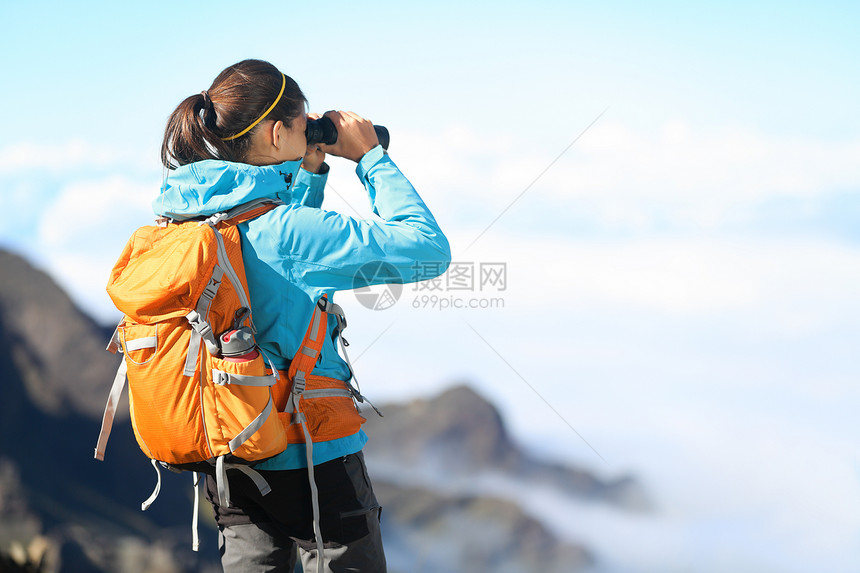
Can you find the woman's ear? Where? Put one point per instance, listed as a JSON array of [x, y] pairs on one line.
[[276, 134]]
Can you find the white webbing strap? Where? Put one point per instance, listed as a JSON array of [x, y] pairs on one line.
[[113, 344], [251, 428], [227, 268], [141, 343], [193, 350], [195, 535], [145, 505], [315, 502], [200, 331], [255, 476], [352, 384], [110, 410], [327, 393], [341, 325], [315, 325], [223, 485], [221, 467], [223, 378], [333, 308], [199, 321], [270, 363]]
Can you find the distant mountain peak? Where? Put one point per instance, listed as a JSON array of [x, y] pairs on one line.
[[51, 346], [459, 421], [459, 432]]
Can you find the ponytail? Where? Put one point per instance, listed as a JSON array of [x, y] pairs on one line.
[[188, 136], [214, 124]]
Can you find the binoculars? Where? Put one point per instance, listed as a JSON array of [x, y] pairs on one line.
[[322, 130]]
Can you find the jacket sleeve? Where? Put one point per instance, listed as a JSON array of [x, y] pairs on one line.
[[308, 189], [331, 251]]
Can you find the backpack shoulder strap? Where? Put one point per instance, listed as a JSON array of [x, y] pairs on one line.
[[302, 365], [245, 211], [306, 356]]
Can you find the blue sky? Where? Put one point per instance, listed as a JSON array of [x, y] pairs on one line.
[[699, 243]]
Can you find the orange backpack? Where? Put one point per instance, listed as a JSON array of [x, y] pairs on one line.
[[193, 404], [189, 405]]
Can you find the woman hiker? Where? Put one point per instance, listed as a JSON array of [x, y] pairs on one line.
[[244, 139]]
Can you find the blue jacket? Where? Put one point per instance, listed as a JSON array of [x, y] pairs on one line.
[[297, 252]]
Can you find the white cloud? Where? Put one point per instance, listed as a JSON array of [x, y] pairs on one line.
[[81, 234], [615, 175], [802, 283], [680, 163], [618, 176], [90, 211], [731, 495], [72, 154]]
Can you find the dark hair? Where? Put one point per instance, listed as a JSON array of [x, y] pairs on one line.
[[236, 99]]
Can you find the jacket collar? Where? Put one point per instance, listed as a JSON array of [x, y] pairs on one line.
[[212, 186]]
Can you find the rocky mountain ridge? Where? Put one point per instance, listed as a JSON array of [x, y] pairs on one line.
[[56, 349], [459, 433], [55, 377]]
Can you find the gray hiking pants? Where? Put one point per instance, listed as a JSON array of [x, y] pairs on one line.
[[260, 534]]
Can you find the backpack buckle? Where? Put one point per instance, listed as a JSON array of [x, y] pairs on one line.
[[220, 378], [299, 383], [211, 288]]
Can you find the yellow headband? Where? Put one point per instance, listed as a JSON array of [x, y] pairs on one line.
[[262, 117]]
